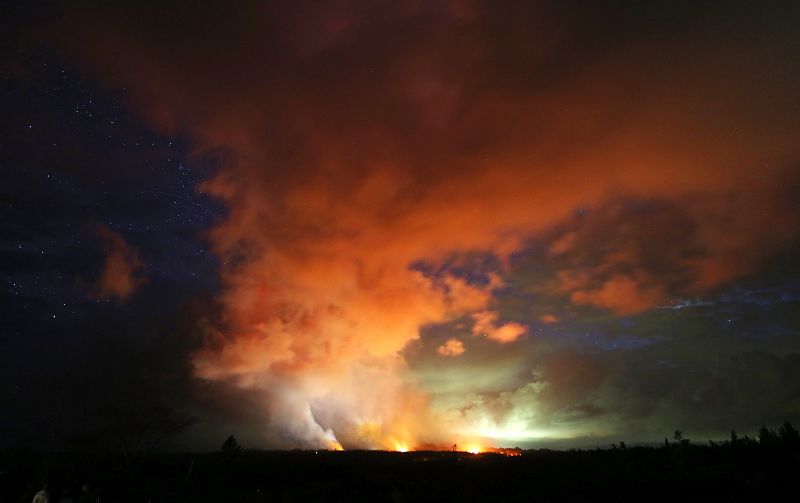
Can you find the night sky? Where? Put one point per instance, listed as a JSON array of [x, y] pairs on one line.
[[400, 224]]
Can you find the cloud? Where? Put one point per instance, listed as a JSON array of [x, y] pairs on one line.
[[706, 397], [622, 294], [632, 254], [358, 139], [122, 269], [555, 398], [486, 326], [452, 347]]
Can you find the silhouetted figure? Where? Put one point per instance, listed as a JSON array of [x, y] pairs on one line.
[[88, 495], [45, 495]]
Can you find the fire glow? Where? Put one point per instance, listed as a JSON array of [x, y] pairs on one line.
[[473, 449], [401, 448]]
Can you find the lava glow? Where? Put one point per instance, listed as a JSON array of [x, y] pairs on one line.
[[401, 448]]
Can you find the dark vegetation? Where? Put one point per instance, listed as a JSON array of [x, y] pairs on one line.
[[738, 469]]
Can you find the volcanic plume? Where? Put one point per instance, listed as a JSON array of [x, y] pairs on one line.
[[363, 148]]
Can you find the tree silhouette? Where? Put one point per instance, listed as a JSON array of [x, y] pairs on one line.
[[230, 445], [767, 437], [136, 430], [789, 436], [678, 437]]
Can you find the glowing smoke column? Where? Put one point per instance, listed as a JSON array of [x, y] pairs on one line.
[[319, 331]]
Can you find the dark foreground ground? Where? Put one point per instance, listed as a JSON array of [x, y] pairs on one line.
[[748, 472]]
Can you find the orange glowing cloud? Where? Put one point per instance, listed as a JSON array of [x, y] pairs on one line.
[[621, 294], [486, 326], [452, 347], [122, 269], [357, 140]]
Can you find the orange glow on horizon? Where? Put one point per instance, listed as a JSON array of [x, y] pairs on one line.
[[474, 449], [401, 447]]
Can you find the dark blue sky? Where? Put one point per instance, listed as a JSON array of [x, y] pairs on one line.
[[74, 159]]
